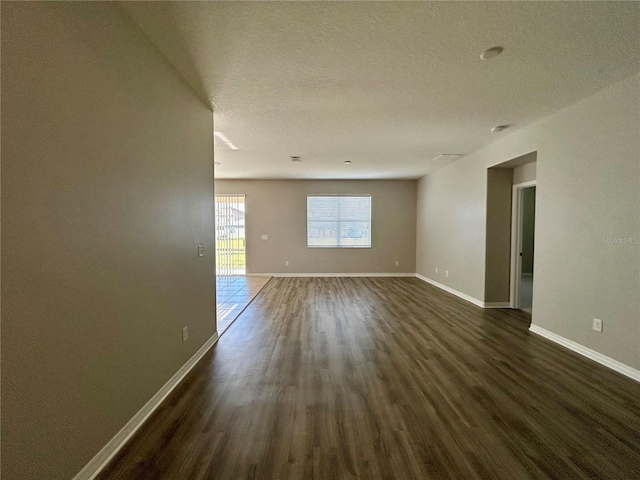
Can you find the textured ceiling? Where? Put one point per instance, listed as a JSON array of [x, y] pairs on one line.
[[386, 85]]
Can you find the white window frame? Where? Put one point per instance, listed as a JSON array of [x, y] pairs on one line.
[[342, 195]]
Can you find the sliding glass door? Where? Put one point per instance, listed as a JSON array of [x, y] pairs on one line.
[[230, 235]]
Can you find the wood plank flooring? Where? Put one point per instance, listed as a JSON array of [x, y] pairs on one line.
[[387, 378]]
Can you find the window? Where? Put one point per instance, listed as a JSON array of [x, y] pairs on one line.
[[339, 221]]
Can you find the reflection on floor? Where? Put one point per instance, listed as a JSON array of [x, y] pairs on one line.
[[233, 294], [526, 292]]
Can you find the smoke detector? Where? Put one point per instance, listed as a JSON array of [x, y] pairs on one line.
[[491, 53]]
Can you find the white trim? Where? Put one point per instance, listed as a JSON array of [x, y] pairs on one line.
[[102, 458], [331, 274], [496, 305], [464, 296], [530, 183], [587, 352]]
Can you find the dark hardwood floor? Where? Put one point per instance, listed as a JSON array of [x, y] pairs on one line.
[[340, 378]]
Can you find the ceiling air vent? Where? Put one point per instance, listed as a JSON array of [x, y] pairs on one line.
[[447, 156], [295, 159]]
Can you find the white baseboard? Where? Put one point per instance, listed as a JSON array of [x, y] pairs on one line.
[[331, 274], [463, 296], [496, 305], [102, 458], [587, 352]]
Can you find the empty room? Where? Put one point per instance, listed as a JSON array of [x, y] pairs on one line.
[[320, 240]]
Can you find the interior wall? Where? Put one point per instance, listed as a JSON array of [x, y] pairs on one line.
[[107, 189], [524, 173], [587, 222], [498, 235], [528, 230], [451, 224], [278, 208]]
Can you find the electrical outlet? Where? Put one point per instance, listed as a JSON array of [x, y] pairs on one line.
[[201, 250], [265, 237], [597, 325], [286, 264], [446, 273], [397, 263], [185, 334]]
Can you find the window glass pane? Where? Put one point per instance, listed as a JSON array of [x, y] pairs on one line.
[[339, 221]]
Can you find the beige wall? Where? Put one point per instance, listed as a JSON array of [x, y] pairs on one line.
[[524, 173], [587, 197], [278, 208], [498, 234], [107, 188]]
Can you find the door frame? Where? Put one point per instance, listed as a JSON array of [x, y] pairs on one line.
[[516, 242]]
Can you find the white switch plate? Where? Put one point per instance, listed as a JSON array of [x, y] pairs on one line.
[[436, 269], [185, 333], [286, 264], [265, 237], [446, 272], [201, 250], [597, 325]]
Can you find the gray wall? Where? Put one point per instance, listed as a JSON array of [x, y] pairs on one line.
[[587, 203], [278, 208], [107, 188], [498, 234]]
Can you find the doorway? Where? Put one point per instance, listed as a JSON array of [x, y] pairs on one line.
[[230, 236], [523, 245], [234, 289]]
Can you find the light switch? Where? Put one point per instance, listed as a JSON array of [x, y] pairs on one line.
[[201, 250], [265, 237]]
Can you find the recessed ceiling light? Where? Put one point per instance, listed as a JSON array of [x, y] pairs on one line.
[[447, 156], [225, 140], [295, 159], [499, 128], [216, 163], [347, 162], [491, 53]]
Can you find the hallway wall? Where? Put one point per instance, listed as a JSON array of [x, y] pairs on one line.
[[107, 189]]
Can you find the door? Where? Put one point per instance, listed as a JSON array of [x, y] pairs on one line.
[[230, 235], [523, 246]]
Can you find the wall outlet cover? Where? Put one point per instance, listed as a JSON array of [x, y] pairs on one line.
[[597, 325]]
